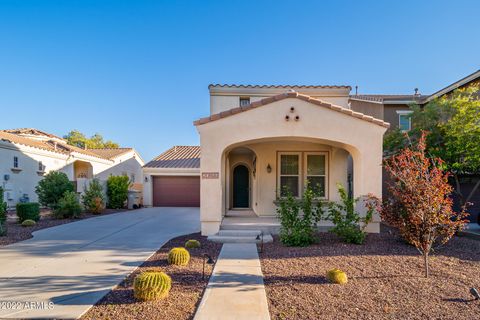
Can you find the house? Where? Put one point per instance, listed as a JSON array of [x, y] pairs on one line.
[[261, 139], [28, 154]]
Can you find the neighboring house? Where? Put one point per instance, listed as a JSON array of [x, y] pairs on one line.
[[26, 155]]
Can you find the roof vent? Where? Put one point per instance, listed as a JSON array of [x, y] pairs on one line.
[[416, 92]]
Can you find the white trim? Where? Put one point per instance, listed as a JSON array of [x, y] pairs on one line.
[[305, 173], [404, 111], [299, 175]]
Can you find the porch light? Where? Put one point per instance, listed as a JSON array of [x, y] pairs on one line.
[[269, 168]]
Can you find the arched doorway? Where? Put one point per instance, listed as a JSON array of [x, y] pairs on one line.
[[241, 187]]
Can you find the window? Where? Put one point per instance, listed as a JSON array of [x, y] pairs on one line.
[[244, 101], [289, 175], [294, 173], [404, 120], [15, 162], [40, 166], [315, 172]]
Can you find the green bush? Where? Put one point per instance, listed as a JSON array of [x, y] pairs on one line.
[[93, 200], [347, 220], [117, 191], [28, 211], [3, 214], [192, 244], [299, 218], [52, 188], [179, 256], [151, 285], [28, 223], [68, 206], [337, 276]]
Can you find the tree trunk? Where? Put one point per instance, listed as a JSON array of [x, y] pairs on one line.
[[425, 260]]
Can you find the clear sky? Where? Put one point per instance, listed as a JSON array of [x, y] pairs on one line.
[[137, 71]]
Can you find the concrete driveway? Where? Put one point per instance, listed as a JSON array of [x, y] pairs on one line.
[[63, 270]]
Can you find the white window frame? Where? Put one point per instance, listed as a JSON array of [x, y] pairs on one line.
[[305, 173], [403, 113], [300, 172]]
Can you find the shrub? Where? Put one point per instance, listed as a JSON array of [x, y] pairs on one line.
[[151, 285], [3, 215], [349, 225], [192, 244], [337, 276], [68, 206], [52, 188], [117, 191], [298, 229], [93, 200], [179, 256], [28, 211], [28, 223]]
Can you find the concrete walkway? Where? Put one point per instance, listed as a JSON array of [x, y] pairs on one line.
[[74, 265], [235, 290]]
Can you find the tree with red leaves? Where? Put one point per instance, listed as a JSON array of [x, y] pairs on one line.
[[419, 202]]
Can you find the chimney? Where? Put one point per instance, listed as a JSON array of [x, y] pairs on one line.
[[356, 90], [416, 92]]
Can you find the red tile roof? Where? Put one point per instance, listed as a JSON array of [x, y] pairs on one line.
[[177, 157], [286, 95], [276, 86]]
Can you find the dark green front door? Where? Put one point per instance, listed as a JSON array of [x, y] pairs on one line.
[[241, 187]]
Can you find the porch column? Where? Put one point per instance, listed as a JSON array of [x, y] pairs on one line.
[[367, 178], [212, 178]]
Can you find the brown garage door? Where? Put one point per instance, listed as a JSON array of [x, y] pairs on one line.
[[176, 191]]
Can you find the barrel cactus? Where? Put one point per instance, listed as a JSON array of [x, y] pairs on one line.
[[28, 223], [337, 276], [151, 285], [192, 244], [179, 256]]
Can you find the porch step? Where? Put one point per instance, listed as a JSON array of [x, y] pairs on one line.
[[240, 236]]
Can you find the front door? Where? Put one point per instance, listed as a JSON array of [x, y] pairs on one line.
[[241, 187]]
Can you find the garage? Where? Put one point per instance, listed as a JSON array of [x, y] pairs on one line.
[[176, 191]]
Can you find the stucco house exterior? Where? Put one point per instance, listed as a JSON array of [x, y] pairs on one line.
[[27, 154]]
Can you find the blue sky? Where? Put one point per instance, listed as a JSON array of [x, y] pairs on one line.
[[137, 71]]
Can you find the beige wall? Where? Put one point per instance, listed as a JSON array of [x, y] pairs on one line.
[[319, 125], [391, 115], [264, 185]]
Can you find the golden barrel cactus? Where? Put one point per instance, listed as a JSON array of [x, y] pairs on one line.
[[337, 276], [179, 256], [192, 244], [151, 285]]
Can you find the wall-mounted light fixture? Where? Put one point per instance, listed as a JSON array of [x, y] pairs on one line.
[[269, 168], [146, 179]]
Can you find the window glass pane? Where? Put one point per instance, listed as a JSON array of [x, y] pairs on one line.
[[289, 164], [315, 164], [318, 185], [290, 183], [404, 122]]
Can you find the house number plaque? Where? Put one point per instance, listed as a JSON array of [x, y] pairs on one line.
[[210, 175]]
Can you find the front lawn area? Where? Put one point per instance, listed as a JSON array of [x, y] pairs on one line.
[[185, 294], [385, 280], [16, 232]]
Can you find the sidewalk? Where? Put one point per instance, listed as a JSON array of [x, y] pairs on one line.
[[235, 290]]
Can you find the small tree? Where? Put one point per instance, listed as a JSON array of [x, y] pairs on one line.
[[419, 202], [94, 200], [52, 187], [117, 191]]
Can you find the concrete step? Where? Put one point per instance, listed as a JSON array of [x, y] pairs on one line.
[[239, 233], [240, 239]]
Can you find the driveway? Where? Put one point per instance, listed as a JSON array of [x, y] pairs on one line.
[[63, 270]]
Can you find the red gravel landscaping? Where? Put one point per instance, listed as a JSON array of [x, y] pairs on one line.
[[187, 287], [385, 280], [15, 232]]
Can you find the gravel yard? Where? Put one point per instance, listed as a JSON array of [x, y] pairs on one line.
[[187, 287], [15, 232], [385, 280]]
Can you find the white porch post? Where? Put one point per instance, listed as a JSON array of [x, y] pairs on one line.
[[211, 189]]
